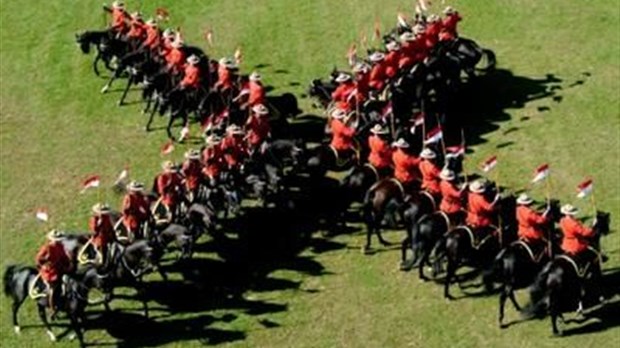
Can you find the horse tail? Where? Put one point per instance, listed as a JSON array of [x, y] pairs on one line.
[[539, 293], [7, 279], [495, 273], [491, 60]]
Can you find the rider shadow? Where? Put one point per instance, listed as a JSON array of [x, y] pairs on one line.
[[600, 319], [483, 102], [133, 330]]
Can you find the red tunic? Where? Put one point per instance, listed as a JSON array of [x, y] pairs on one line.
[[192, 169], [213, 158], [175, 59], [574, 233], [430, 177], [224, 77], [530, 223], [343, 92], [405, 166], [257, 93], [169, 187], [102, 229], [135, 210], [52, 261], [377, 76], [191, 77], [137, 29], [451, 198], [391, 63], [450, 22], [479, 210], [431, 36], [234, 150], [258, 129], [380, 152], [119, 20], [362, 83], [342, 136], [152, 37]]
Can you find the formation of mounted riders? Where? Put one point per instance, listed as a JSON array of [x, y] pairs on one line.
[[388, 126]]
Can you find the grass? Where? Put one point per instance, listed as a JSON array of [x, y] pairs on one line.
[[56, 129]]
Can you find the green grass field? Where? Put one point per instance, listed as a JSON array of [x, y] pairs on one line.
[[56, 129]]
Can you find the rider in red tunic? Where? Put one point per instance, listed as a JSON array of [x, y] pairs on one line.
[[342, 133], [234, 147], [480, 211], [362, 78], [191, 76], [449, 31], [175, 58], [257, 91], [430, 173], [345, 92], [530, 222], [433, 28], [392, 59], [451, 196], [102, 229], [405, 165], [574, 241], [380, 156], [408, 51], [120, 18], [225, 75], [136, 209], [213, 159], [377, 72], [192, 171], [170, 186], [52, 262], [153, 36], [257, 126]]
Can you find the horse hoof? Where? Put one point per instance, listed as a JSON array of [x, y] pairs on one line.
[[17, 329], [503, 326], [120, 103], [51, 336], [105, 89], [72, 336]]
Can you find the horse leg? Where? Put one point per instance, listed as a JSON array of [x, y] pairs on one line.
[[77, 329], [380, 237], [421, 264], [15, 307], [513, 299], [95, 62], [148, 124], [129, 82], [502, 304], [169, 128], [107, 86], [449, 275], [43, 317]]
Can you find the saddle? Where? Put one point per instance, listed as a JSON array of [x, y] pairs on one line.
[[582, 269], [430, 198], [38, 288], [536, 257], [474, 238], [341, 161], [161, 213], [374, 170], [446, 218], [400, 186]]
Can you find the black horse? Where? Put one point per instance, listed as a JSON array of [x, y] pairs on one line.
[[558, 287], [517, 265], [106, 45], [463, 246], [21, 282]]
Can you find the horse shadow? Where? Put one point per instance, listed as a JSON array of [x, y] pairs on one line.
[[482, 103], [133, 330]]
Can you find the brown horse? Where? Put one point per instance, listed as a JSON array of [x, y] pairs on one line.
[[387, 198]]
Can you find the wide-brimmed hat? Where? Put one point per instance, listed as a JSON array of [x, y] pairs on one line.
[[361, 67], [227, 63], [177, 43], [192, 154], [169, 32], [378, 129], [568, 209], [418, 29], [168, 166], [193, 59], [392, 46], [524, 199], [260, 109], [255, 76], [151, 23], [118, 4], [343, 77], [213, 140], [135, 186], [477, 186], [428, 153], [433, 18], [449, 10], [55, 235], [376, 56], [401, 143], [234, 129], [407, 36], [338, 114], [101, 209], [447, 174], [136, 15]]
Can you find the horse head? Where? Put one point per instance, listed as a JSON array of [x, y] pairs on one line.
[[601, 223], [81, 39]]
